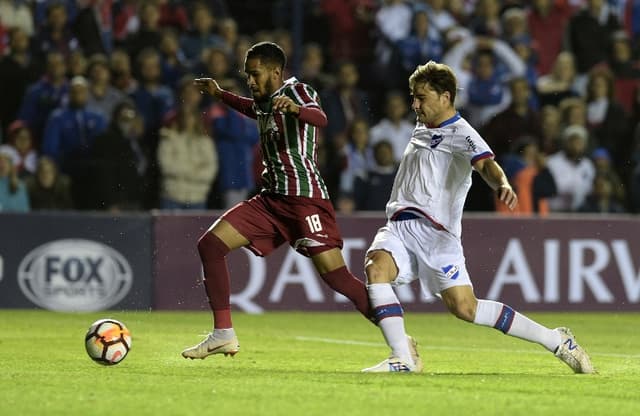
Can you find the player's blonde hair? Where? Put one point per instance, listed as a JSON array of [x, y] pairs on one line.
[[440, 77]]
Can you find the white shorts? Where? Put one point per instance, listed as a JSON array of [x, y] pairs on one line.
[[423, 252]]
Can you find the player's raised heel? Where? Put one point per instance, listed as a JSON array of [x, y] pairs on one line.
[[413, 347], [573, 354], [212, 345], [397, 365]]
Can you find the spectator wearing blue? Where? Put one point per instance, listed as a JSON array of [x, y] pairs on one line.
[[422, 45], [235, 136], [522, 47], [152, 98], [604, 165], [486, 91], [69, 135], [346, 101], [45, 95], [360, 159], [13, 192], [516, 34], [103, 97], [173, 61], [494, 63], [41, 9], [202, 35], [439, 16]]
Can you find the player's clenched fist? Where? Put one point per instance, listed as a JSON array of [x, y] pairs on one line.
[[208, 85], [285, 104]]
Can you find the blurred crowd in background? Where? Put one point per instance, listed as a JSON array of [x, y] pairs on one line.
[[98, 110]]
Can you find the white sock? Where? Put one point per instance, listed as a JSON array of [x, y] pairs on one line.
[[224, 333], [502, 317], [389, 315]]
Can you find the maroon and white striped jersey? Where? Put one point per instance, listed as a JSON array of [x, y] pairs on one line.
[[289, 144]]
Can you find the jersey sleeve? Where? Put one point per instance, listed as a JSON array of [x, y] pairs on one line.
[[304, 95], [309, 101], [241, 104], [471, 146]]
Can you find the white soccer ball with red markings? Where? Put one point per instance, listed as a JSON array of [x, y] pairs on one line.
[[107, 341]]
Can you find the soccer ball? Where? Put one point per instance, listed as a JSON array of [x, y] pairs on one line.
[[107, 341]]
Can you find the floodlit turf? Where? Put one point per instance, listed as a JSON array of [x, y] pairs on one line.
[[308, 364]]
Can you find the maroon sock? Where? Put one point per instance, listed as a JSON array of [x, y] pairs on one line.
[[216, 278], [342, 281]]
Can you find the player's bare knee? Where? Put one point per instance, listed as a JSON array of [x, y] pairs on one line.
[[376, 271], [373, 272]]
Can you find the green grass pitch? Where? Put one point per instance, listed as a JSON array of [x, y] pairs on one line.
[[308, 364]]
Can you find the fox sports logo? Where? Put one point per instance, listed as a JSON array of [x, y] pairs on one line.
[[74, 275]]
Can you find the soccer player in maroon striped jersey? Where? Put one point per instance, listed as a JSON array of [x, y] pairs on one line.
[[293, 205]]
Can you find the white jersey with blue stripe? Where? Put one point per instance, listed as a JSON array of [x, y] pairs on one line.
[[434, 176]]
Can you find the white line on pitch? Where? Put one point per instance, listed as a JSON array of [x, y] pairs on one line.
[[449, 348], [340, 341]]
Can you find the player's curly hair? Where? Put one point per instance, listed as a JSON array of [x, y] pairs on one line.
[[269, 53], [440, 77]]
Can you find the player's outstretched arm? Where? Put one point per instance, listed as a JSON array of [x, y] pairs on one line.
[[209, 86], [494, 176]]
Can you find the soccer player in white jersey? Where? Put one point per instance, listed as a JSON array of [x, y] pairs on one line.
[[421, 239]]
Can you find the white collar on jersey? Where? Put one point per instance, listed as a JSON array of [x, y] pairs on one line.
[[286, 83], [276, 93], [448, 121]]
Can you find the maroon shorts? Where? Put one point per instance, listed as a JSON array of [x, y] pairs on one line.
[[269, 220]]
